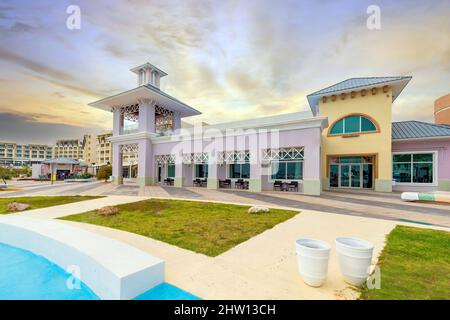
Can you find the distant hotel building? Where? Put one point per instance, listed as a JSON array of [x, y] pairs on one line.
[[13, 154], [97, 152], [68, 148], [97, 149]]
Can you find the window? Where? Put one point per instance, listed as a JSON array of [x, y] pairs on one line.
[[287, 170], [239, 171], [171, 171], [413, 167], [353, 124], [201, 171]]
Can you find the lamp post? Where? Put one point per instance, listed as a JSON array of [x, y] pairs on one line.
[[52, 169]]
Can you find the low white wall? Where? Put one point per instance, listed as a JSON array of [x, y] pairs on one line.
[[110, 268]]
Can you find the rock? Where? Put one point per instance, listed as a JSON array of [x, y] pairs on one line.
[[108, 211], [258, 209], [16, 206]]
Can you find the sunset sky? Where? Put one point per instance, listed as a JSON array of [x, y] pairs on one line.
[[229, 59]]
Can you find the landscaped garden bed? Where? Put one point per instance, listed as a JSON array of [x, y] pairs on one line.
[[41, 202], [415, 264], [203, 227]]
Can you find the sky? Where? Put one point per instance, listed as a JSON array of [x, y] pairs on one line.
[[229, 59]]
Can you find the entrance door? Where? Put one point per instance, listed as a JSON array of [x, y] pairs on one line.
[[159, 173], [351, 176], [345, 176], [355, 176]]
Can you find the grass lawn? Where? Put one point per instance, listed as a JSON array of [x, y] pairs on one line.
[[208, 228], [415, 264], [41, 202]]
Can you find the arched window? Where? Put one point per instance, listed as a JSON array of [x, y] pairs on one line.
[[353, 124]]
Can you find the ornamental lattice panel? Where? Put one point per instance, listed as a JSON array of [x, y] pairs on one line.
[[201, 157], [165, 159], [126, 148], [233, 157], [163, 118], [294, 153], [130, 112]]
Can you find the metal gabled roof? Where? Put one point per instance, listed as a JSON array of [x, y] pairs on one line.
[[146, 91], [418, 130], [397, 83]]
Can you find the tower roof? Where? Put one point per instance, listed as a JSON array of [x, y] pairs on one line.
[[146, 66]]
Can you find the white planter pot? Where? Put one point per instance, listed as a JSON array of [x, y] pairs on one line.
[[312, 258], [355, 258]]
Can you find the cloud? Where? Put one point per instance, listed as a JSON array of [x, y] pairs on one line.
[[34, 66], [28, 129]]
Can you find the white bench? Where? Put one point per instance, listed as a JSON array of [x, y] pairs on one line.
[[110, 268]]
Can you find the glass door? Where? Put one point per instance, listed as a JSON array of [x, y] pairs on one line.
[[351, 172], [334, 175], [355, 176], [345, 176]]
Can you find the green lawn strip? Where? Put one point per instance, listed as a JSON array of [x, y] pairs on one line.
[[203, 227], [42, 201], [415, 264]]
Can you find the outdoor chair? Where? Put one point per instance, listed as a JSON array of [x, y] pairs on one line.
[[204, 182], [197, 182], [293, 186], [227, 183], [239, 184], [278, 185]]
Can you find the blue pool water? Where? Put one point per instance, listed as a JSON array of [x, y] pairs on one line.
[[166, 291], [24, 275]]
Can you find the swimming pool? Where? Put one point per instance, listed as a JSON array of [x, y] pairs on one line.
[[27, 276]]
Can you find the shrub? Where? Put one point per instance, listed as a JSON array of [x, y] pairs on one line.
[[5, 174], [104, 173], [85, 175], [8, 173]]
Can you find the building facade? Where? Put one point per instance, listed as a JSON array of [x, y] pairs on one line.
[[97, 152], [89, 149], [68, 148], [348, 140], [18, 155]]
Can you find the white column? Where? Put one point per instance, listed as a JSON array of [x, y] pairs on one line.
[[255, 183], [179, 174], [213, 181], [117, 164], [146, 169], [117, 122], [146, 117], [176, 121]]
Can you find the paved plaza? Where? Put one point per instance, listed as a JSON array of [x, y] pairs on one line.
[[356, 203]]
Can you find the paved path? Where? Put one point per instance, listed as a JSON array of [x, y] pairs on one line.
[[367, 204]]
